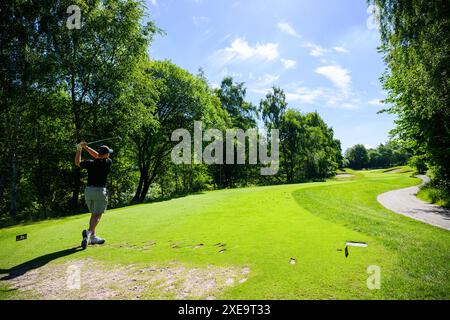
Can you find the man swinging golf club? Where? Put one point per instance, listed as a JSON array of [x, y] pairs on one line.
[[96, 195]]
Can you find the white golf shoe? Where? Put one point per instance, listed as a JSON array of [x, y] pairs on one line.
[[96, 240], [86, 234]]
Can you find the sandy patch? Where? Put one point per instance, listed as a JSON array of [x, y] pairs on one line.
[[88, 279], [344, 175]]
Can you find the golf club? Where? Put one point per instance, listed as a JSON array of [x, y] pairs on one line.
[[102, 140]]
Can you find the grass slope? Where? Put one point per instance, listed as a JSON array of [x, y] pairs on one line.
[[262, 229], [433, 195]]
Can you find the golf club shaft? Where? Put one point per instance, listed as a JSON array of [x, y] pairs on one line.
[[102, 140]]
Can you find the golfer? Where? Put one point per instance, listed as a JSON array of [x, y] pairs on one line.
[[96, 194]]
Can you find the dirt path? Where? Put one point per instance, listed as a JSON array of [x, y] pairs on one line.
[[404, 201]]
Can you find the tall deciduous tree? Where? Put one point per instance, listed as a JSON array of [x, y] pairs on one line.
[[94, 64], [59, 85], [180, 99], [357, 157], [416, 43], [272, 108], [243, 116]]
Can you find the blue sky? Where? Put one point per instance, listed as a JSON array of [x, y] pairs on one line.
[[323, 53]]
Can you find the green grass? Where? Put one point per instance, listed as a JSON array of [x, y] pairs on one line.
[[263, 228], [434, 195]]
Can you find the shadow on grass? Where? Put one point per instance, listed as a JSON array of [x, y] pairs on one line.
[[170, 197], [36, 263]]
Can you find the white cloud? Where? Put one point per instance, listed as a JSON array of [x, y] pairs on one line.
[[263, 84], [226, 73], [340, 49], [339, 76], [305, 95], [240, 49], [287, 28], [315, 50], [288, 64], [261, 91], [267, 80], [325, 97], [154, 3], [343, 99]]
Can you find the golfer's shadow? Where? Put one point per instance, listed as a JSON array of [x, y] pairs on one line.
[[36, 263]]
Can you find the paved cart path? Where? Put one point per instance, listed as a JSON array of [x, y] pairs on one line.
[[404, 201]]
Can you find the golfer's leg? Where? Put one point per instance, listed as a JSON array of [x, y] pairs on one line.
[[95, 219]]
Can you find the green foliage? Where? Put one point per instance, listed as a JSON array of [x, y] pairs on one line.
[[431, 194], [272, 108], [243, 116], [232, 96], [59, 86], [309, 150], [388, 155], [417, 53], [419, 164], [179, 99], [357, 157]]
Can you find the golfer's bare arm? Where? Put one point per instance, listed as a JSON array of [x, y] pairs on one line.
[[78, 158], [91, 151]]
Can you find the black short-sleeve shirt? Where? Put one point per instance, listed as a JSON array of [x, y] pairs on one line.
[[98, 171]]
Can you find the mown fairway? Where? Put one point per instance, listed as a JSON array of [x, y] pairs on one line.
[[262, 229]]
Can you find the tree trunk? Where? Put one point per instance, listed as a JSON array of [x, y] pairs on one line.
[[139, 189], [145, 189], [148, 181], [176, 180], [77, 120], [142, 179], [14, 143], [13, 194], [2, 187]]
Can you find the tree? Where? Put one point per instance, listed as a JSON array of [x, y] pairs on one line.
[[242, 116], [417, 53], [309, 150], [388, 155], [180, 99], [58, 86], [293, 143], [357, 157], [232, 96], [324, 151], [272, 108], [94, 65], [20, 55]]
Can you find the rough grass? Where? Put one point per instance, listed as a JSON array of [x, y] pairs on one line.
[[259, 229], [434, 195]]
